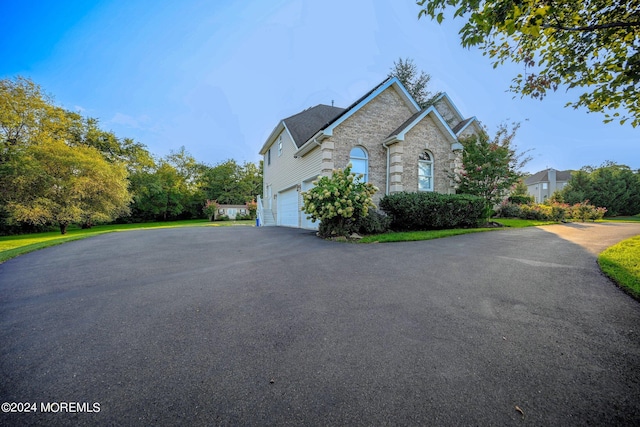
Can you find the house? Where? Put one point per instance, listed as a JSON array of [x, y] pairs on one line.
[[231, 211], [384, 135], [544, 183]]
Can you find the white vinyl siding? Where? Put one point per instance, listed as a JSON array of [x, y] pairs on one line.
[[286, 172]]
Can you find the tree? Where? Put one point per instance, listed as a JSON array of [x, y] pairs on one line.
[[490, 167], [24, 111], [615, 187], [590, 44], [52, 182], [49, 173], [229, 183], [415, 83]]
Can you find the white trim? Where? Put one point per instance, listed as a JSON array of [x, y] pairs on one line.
[[394, 81], [473, 120], [450, 102], [441, 122]]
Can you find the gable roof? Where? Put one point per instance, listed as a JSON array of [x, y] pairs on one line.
[[543, 176], [463, 125], [377, 90], [304, 125], [399, 133]]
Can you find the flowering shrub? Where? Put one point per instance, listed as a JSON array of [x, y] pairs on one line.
[[552, 211], [338, 202], [252, 207], [584, 211], [508, 209], [210, 209]]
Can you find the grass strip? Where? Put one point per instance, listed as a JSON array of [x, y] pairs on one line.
[[12, 246], [521, 223], [411, 236], [621, 263]]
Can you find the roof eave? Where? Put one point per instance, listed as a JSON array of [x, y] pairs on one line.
[[473, 120], [313, 142], [440, 122], [272, 137]]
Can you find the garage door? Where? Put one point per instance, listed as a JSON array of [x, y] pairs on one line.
[[288, 208]]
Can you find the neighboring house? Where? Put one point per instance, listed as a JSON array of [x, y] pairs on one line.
[[232, 211], [544, 183], [384, 135]]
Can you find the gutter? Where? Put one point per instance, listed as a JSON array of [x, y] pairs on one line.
[[313, 142]]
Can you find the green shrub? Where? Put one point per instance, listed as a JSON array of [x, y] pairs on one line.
[[377, 222], [210, 209], [552, 211], [584, 211], [509, 209], [520, 199], [222, 218], [536, 211], [427, 211]]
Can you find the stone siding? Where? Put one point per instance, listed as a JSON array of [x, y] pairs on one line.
[[448, 114], [426, 135], [367, 128]]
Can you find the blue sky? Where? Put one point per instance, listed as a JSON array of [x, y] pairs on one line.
[[217, 76]]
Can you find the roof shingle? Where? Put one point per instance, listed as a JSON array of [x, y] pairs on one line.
[[304, 125]]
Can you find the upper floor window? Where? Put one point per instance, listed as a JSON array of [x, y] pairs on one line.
[[425, 172], [269, 156], [359, 163], [280, 146]]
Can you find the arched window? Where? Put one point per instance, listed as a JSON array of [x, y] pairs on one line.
[[359, 163], [425, 172]]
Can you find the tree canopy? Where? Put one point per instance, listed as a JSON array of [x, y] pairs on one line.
[[58, 167], [610, 185], [416, 82], [593, 45], [490, 166]]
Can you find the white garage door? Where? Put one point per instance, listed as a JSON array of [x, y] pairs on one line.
[[288, 208]]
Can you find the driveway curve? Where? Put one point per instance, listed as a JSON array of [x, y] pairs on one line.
[[273, 326]]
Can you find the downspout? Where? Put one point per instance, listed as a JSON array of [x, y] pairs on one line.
[[313, 140]]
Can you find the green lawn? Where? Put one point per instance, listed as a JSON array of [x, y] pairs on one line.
[[410, 236], [635, 218], [12, 246], [519, 223], [621, 262]]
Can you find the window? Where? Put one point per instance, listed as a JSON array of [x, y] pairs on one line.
[[359, 163], [269, 156], [545, 185], [425, 172], [280, 146]]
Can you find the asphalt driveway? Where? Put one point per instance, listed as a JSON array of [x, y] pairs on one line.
[[273, 326]]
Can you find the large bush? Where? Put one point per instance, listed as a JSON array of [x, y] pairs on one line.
[[426, 211], [616, 187], [338, 202], [551, 211]]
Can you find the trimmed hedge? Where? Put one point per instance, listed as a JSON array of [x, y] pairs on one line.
[[429, 211]]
